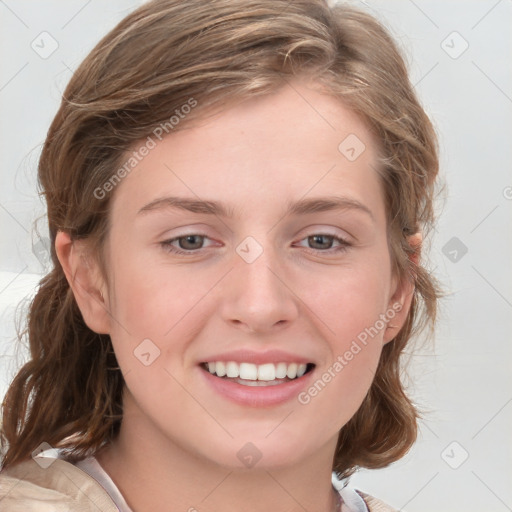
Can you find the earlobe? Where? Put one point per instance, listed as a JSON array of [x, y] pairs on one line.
[[398, 309], [85, 280], [400, 302]]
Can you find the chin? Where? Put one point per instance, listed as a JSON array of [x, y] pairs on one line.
[[259, 453]]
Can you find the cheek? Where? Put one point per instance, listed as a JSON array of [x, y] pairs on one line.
[[347, 300], [151, 298], [165, 304], [350, 308], [349, 304], [339, 389]]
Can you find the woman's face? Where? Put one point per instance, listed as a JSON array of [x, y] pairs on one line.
[[255, 240]]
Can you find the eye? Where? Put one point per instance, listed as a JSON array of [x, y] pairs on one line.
[[319, 242], [185, 244], [325, 243]]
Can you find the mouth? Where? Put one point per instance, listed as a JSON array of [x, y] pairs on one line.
[[257, 375]]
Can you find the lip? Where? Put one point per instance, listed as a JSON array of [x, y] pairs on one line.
[[256, 396], [254, 357]]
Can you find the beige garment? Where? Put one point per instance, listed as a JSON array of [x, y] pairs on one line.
[[62, 487], [374, 504]]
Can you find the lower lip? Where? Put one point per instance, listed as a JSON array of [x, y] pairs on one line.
[[257, 396]]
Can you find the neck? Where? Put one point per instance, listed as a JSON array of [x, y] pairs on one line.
[[152, 471]]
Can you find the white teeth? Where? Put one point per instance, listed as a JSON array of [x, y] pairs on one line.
[[266, 372], [252, 372], [232, 370], [291, 373], [258, 383], [248, 371], [281, 369], [220, 368], [301, 370]]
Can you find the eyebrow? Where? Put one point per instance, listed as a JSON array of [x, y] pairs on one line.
[[301, 207]]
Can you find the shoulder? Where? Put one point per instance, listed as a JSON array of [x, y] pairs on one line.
[[374, 504], [51, 485]]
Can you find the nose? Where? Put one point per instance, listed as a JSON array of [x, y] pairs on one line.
[[257, 297]]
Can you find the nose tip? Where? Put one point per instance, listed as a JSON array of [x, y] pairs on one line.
[[257, 297]]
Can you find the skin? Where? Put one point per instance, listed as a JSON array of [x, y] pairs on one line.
[[179, 438]]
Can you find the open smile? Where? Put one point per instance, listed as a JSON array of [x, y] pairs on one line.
[[255, 385]]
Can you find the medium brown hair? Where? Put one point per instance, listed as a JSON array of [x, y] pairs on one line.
[[69, 394]]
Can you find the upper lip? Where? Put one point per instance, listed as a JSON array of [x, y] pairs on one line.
[[255, 357]]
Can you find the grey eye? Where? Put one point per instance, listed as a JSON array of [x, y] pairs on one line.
[[321, 241], [190, 242]]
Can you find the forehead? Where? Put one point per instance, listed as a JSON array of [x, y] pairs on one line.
[[266, 151]]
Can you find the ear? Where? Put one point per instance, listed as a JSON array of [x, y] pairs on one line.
[[86, 282], [401, 298]]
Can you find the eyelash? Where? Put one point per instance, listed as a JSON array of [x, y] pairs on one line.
[[344, 245]]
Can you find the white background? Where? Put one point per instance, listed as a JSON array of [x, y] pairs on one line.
[[464, 382]]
